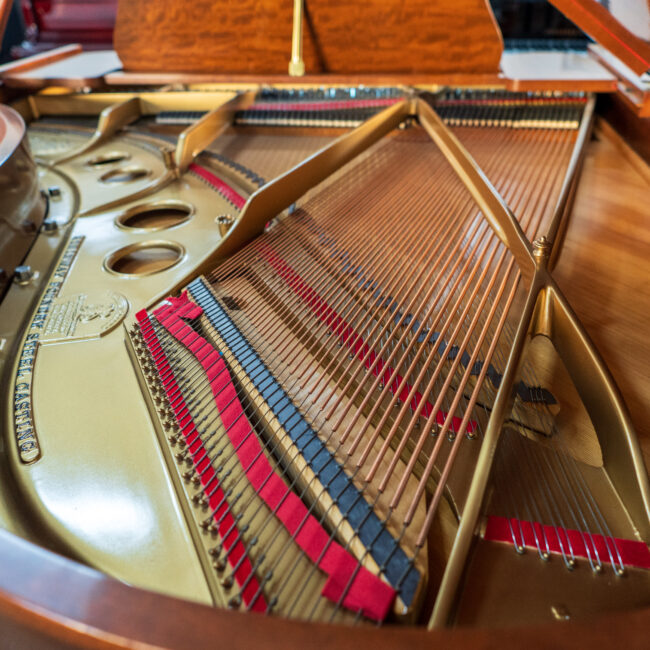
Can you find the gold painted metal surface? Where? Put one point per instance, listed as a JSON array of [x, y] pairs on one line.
[[296, 64], [198, 136], [151, 103], [621, 452], [557, 229], [594, 383], [111, 120], [456, 565], [494, 591]]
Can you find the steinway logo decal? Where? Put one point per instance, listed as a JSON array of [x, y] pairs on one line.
[[26, 439]]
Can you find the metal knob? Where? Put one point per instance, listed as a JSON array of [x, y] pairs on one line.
[[23, 274], [50, 226], [224, 222]]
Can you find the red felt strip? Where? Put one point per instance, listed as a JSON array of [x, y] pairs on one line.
[[353, 340], [222, 187], [514, 101], [251, 594], [632, 553], [348, 583]]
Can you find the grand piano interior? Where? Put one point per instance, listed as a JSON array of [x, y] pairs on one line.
[[354, 354]]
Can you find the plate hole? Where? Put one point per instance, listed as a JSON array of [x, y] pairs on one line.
[[107, 158], [144, 258], [124, 175], [155, 216]]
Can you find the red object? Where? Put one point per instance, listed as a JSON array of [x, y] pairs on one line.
[[252, 595], [224, 189], [349, 583], [59, 22], [592, 15], [626, 551]]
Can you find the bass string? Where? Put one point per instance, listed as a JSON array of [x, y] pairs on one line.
[[352, 175], [457, 311], [531, 220], [363, 318], [459, 436], [293, 245], [430, 423], [275, 235], [266, 578], [352, 299]]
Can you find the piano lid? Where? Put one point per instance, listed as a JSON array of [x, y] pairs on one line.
[[339, 37], [622, 26]]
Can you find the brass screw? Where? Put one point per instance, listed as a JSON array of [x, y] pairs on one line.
[[541, 248], [224, 222], [560, 612]]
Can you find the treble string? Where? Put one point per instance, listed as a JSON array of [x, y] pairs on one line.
[[349, 306]]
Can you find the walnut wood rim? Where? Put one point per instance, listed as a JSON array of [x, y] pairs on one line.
[[48, 601]]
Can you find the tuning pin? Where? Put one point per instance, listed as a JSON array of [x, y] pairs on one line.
[[234, 602]]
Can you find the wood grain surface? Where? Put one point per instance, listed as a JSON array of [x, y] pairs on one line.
[[254, 36], [604, 267], [48, 602], [39, 60], [599, 23]]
